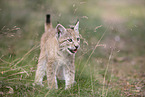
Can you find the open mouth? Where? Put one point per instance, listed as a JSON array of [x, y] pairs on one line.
[[72, 51]]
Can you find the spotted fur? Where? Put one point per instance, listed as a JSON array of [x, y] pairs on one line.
[[57, 56]]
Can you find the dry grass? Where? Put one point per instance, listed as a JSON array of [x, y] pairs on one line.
[[110, 62]]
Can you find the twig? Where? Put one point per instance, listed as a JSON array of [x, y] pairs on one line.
[[13, 69], [25, 71], [12, 79], [4, 61], [16, 73]]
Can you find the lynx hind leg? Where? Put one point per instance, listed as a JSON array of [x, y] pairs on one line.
[[51, 75], [40, 72], [69, 74]]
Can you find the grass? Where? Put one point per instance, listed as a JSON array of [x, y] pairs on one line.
[[18, 76], [110, 62], [20, 80], [19, 73]]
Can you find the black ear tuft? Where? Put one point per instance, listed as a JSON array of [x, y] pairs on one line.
[[48, 18], [57, 22], [77, 21], [72, 28]]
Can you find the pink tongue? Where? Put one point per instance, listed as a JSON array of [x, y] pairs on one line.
[[75, 50]]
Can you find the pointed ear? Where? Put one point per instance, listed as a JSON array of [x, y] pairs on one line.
[[76, 28], [60, 30]]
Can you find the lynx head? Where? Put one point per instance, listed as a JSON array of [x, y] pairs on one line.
[[68, 38]]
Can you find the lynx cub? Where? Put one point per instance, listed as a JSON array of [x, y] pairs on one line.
[[57, 56]]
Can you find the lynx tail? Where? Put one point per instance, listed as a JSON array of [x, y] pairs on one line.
[[48, 24]]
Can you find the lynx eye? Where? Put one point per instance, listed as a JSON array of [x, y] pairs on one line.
[[78, 39], [70, 40]]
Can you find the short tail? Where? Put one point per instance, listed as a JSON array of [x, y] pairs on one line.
[[48, 24]]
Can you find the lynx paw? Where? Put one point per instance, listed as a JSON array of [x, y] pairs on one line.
[[39, 84], [70, 85]]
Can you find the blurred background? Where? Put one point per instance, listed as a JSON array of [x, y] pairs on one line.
[[113, 40]]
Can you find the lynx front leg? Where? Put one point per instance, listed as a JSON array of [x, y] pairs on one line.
[[69, 74], [51, 75], [40, 72]]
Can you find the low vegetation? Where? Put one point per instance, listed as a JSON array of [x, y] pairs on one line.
[[110, 62]]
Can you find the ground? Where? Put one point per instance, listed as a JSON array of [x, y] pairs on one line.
[[110, 62]]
